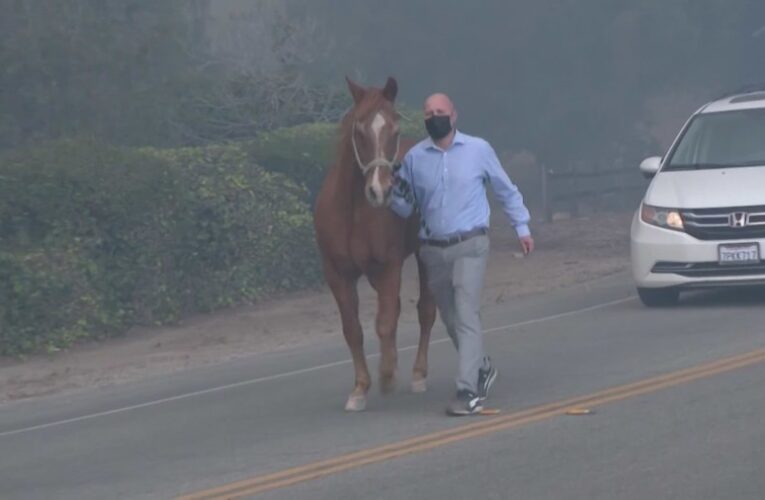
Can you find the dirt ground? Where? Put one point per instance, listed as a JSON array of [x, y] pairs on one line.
[[569, 251]]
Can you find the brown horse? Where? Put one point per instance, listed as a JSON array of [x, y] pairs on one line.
[[358, 235]]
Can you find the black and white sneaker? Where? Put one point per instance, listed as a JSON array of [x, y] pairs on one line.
[[466, 403], [485, 380]]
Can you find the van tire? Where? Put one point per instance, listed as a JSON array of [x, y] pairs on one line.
[[658, 297]]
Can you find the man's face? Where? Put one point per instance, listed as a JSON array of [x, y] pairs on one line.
[[439, 105]]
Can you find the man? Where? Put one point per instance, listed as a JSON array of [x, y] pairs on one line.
[[444, 177]]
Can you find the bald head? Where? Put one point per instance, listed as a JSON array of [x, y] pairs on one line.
[[438, 104]]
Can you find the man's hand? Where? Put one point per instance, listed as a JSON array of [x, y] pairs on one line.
[[527, 244]]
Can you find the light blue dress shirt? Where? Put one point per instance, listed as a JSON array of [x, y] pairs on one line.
[[448, 188]]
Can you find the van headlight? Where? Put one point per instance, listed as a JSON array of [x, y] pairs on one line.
[[668, 218]]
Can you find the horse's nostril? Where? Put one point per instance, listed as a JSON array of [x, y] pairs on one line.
[[371, 193]]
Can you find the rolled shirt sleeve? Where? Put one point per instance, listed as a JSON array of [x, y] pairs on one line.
[[507, 193], [402, 200]]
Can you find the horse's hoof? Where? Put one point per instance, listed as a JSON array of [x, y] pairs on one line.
[[419, 385], [387, 385], [356, 403]]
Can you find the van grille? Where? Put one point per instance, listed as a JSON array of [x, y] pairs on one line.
[[737, 223]]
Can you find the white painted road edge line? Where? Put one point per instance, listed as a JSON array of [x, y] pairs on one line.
[[296, 372]]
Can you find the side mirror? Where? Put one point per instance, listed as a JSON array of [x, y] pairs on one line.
[[650, 166]]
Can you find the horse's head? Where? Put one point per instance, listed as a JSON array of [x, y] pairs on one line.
[[375, 138]]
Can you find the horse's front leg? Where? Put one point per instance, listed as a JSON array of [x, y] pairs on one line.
[[387, 282], [346, 295]]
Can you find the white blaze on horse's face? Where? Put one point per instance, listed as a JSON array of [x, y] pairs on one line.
[[377, 125], [378, 195], [376, 190], [376, 154]]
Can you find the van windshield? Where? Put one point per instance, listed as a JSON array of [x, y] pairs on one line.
[[721, 140]]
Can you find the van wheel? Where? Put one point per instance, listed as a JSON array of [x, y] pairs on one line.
[[658, 297]]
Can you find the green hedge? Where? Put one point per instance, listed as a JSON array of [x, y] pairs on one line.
[[302, 153], [95, 239]]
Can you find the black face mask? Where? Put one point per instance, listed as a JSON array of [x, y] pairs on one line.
[[438, 126]]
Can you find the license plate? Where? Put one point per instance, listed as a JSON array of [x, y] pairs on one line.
[[745, 253]]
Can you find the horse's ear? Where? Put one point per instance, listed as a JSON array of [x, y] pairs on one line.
[[357, 91], [391, 89]]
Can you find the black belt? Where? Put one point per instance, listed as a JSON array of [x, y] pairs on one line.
[[456, 239]]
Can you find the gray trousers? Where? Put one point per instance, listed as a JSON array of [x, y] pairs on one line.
[[455, 276]]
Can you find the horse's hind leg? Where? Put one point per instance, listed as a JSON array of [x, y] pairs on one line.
[[426, 309], [347, 298], [387, 282]]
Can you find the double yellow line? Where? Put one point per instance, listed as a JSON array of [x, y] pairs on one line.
[[482, 427]]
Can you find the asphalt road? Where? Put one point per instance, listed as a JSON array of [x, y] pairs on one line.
[[675, 396]]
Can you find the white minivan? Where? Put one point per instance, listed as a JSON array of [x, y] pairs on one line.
[[702, 220]]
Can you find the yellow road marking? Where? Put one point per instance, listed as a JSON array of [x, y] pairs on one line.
[[322, 468]]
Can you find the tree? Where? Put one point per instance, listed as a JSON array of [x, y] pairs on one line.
[[256, 73], [110, 68]]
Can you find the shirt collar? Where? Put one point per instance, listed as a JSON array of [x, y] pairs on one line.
[[459, 138]]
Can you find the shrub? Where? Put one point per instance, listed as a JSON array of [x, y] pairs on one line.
[[94, 239]]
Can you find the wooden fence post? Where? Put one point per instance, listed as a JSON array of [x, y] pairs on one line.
[[574, 188], [546, 194]]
